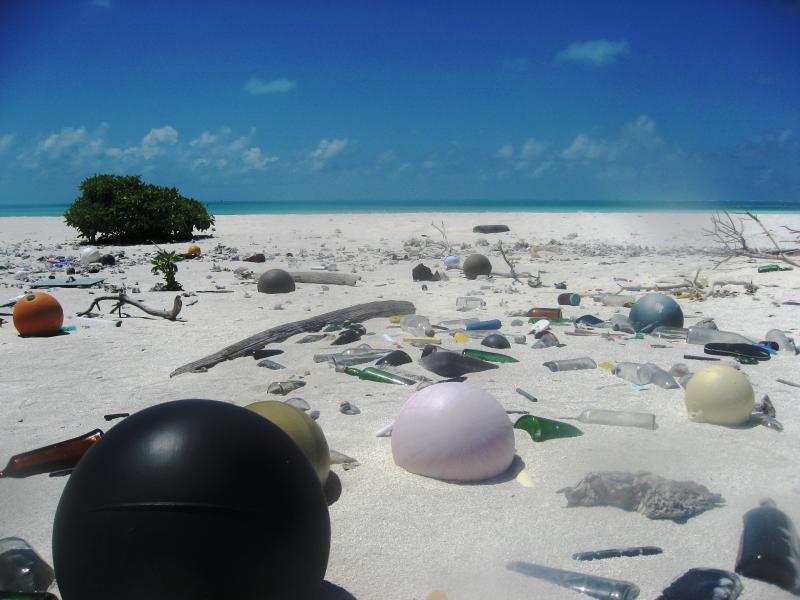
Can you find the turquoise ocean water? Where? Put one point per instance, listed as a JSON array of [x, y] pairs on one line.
[[435, 206]]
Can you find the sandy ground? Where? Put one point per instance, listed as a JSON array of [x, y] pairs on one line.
[[396, 534]]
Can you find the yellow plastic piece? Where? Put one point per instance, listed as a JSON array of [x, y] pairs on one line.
[[606, 365], [194, 250], [461, 337], [395, 318]]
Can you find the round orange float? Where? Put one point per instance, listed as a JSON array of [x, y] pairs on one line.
[[38, 314], [194, 250]]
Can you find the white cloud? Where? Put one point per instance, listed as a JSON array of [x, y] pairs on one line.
[[69, 145], [326, 150], [527, 159], [257, 87], [636, 137], [253, 159], [6, 141], [156, 139], [506, 151], [584, 147], [222, 151], [594, 52], [531, 149], [102, 3]]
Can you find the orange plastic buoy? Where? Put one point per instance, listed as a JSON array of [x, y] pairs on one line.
[[38, 314], [194, 250]]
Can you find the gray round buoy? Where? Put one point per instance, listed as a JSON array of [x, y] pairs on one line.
[[655, 310], [477, 264], [275, 281]]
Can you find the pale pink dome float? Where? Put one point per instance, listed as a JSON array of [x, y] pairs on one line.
[[455, 432]]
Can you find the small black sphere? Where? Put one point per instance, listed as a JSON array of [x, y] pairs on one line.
[[496, 340], [275, 281], [477, 264], [190, 500]]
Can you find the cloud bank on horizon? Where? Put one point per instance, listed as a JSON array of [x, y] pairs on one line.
[[516, 103]]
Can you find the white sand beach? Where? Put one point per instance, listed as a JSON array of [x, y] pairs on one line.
[[397, 535]]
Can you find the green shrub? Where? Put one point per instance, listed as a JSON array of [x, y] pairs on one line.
[[122, 208]]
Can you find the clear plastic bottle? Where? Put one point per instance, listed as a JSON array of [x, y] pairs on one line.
[[600, 588], [625, 418], [615, 299], [570, 364], [670, 333], [365, 352], [22, 569], [416, 325], [785, 343], [701, 336], [642, 374]]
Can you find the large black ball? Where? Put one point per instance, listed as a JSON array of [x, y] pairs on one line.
[[275, 281], [477, 264], [192, 500]]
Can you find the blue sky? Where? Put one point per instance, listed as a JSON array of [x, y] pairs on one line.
[[635, 100]]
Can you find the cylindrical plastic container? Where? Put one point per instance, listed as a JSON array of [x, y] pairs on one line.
[[569, 299], [701, 336], [571, 364]]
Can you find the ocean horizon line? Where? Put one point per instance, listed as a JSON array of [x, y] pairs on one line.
[[243, 207]]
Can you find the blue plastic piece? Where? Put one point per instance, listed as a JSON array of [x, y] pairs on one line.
[[490, 324]]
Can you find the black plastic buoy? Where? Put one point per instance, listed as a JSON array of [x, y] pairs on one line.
[[192, 499]]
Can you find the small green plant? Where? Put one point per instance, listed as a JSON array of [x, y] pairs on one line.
[[166, 263]]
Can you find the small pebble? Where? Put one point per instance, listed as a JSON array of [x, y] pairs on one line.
[[349, 409], [298, 403]]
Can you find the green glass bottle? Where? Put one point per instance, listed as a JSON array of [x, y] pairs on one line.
[[373, 374], [490, 356], [541, 429]]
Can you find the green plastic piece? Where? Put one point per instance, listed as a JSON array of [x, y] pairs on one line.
[[490, 356], [541, 429], [373, 374]]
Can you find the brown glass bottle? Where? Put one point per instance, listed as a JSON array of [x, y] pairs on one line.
[[547, 313], [55, 457]]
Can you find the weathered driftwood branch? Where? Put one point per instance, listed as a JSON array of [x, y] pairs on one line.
[[700, 290], [121, 299], [731, 237], [508, 262], [443, 231], [245, 347], [324, 277]]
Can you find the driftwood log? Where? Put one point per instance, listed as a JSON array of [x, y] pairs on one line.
[[245, 347], [324, 277], [121, 299]]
